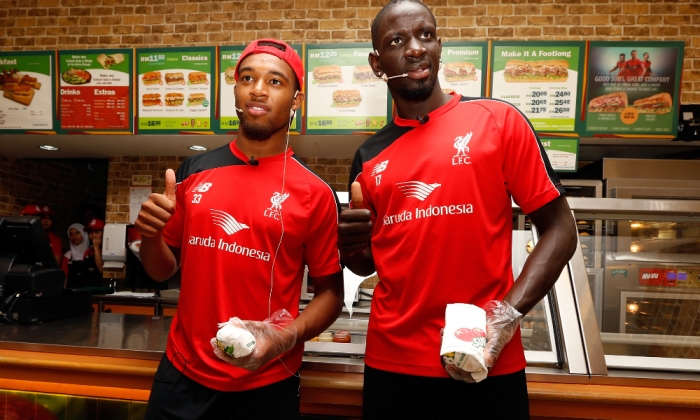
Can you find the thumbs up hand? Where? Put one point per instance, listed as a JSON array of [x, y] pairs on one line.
[[158, 209], [356, 196], [354, 226]]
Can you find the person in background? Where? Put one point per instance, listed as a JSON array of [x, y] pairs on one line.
[[620, 64], [47, 215], [72, 262], [647, 65], [93, 265], [240, 222], [431, 213], [91, 211], [634, 66]]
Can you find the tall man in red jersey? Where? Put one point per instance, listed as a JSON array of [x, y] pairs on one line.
[[436, 187], [241, 221]]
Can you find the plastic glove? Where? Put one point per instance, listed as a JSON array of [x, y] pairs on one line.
[[273, 337], [502, 320]]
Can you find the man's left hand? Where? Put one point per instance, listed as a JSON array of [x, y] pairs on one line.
[[273, 337], [502, 321]]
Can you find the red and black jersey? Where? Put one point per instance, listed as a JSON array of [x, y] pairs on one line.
[[440, 195], [231, 219]]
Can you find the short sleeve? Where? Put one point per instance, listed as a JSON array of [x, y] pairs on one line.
[[321, 245], [527, 172]]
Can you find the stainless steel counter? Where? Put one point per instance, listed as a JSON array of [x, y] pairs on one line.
[[99, 334]]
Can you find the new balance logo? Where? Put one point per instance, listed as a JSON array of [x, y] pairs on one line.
[[202, 187], [380, 167], [227, 222], [417, 189]]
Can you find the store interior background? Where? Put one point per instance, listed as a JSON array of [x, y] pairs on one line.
[[98, 169]]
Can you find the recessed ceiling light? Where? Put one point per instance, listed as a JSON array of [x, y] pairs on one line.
[[198, 148], [48, 147]]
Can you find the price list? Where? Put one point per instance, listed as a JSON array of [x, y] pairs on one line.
[[541, 80]]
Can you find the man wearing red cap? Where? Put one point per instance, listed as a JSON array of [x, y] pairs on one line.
[[47, 215], [93, 266], [241, 224]]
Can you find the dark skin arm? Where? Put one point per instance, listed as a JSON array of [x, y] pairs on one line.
[[556, 245], [323, 309]]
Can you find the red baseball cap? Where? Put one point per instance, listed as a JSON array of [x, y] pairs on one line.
[[46, 210], [30, 210], [284, 52], [95, 224]]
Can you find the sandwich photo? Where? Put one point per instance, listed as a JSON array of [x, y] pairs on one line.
[[197, 77], [174, 99], [9, 76], [196, 99], [106, 61], [346, 98], [612, 102], [151, 78], [363, 74], [151, 99], [327, 74], [519, 71], [459, 71], [229, 75], [661, 103], [20, 93], [174, 79], [448, 91], [30, 81]]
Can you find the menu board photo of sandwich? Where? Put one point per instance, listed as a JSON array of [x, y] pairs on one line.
[[228, 117], [462, 68], [95, 91], [542, 79], [27, 100], [175, 90], [343, 94], [633, 88]]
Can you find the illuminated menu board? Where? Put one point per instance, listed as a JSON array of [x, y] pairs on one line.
[[28, 94], [95, 91]]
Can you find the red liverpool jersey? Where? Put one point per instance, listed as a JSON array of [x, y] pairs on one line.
[[245, 233], [440, 194]]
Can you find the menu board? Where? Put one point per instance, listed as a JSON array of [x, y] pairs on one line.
[[175, 90], [464, 68], [95, 91], [227, 116], [542, 79], [342, 93], [28, 98], [562, 153], [633, 88]]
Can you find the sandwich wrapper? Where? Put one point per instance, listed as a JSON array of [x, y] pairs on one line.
[[235, 341], [464, 339]]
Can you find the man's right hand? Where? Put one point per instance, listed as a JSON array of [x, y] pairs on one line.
[[354, 226], [158, 209]]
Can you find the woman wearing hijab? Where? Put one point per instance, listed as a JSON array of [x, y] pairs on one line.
[[72, 263]]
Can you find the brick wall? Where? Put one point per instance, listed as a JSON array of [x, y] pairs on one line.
[[65, 185], [74, 24]]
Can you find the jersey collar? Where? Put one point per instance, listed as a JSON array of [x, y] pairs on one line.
[[434, 114], [246, 159]]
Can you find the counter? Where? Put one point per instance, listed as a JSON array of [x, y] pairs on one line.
[[111, 357]]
